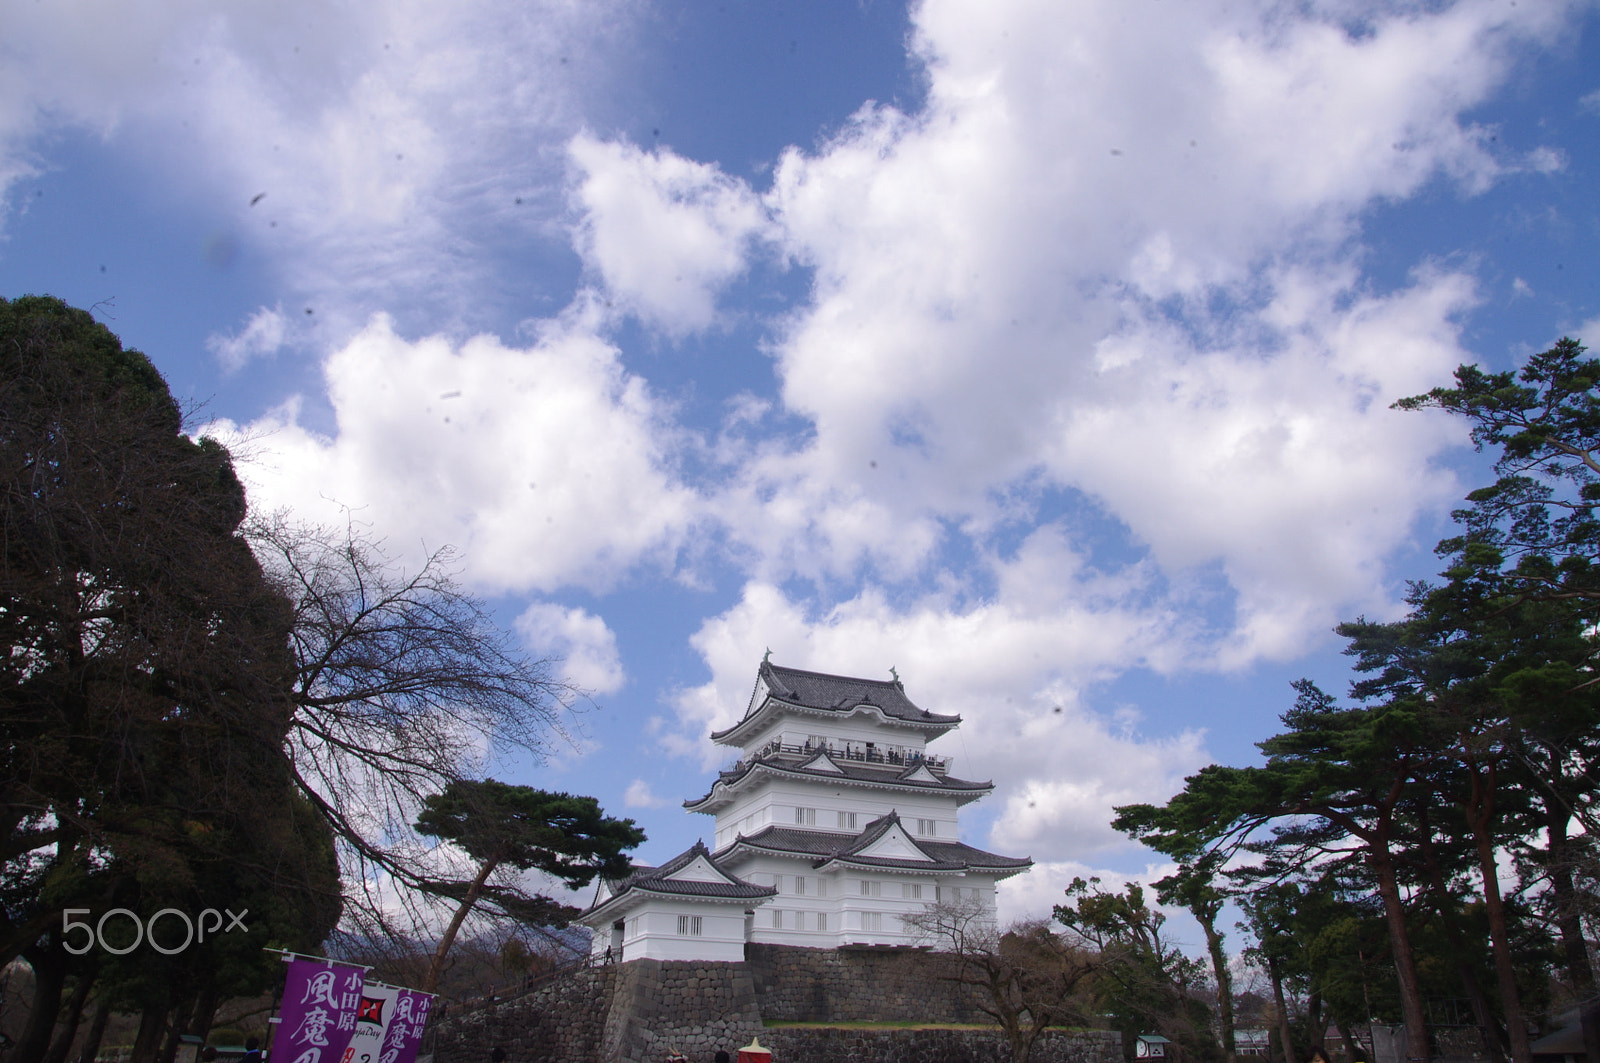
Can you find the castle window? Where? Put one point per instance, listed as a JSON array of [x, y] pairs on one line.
[[911, 891], [777, 918], [870, 888], [689, 925], [805, 817], [871, 920], [847, 820], [800, 885], [928, 828], [822, 920]]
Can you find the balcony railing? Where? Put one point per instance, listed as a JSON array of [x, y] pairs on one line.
[[849, 752]]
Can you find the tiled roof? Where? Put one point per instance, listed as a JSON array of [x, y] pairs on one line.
[[826, 845], [846, 770], [658, 880], [840, 693]]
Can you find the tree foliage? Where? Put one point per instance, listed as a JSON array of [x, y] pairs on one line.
[[145, 694], [568, 838]]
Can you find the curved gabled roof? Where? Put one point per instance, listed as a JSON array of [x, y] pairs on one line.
[[830, 847], [818, 692], [724, 885], [914, 778]]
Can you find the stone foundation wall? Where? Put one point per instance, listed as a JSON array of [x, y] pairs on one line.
[[856, 985], [834, 1045], [561, 1022], [638, 1012], [694, 1007]]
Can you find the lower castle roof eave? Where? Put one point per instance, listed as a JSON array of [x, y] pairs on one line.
[[723, 791], [908, 867], [732, 736], [634, 896]]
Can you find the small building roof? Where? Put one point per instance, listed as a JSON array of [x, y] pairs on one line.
[[694, 874]]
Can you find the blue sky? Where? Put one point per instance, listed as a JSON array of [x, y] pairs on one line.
[[1041, 350]]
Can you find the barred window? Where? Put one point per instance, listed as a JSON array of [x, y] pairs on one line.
[[689, 925]]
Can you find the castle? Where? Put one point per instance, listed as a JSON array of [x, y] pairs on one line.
[[834, 824]]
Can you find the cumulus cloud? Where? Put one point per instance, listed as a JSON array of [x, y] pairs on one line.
[[397, 143], [261, 337], [1118, 253], [639, 795], [1032, 896], [547, 466], [586, 645], [1015, 670], [663, 233]]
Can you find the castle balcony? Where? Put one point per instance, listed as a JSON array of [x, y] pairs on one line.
[[851, 753]]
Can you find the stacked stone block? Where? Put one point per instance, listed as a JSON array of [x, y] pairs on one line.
[[642, 1011], [857, 985], [835, 1045], [662, 1006], [561, 1022]]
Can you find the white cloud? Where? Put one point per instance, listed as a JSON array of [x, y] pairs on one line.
[[1014, 668], [586, 645], [261, 337], [663, 233], [1116, 254], [639, 795], [547, 466], [393, 140], [1033, 895]]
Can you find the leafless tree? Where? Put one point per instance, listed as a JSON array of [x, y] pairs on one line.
[[1024, 976], [403, 685]]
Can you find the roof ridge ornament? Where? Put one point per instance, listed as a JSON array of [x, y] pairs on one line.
[[895, 674], [767, 657]]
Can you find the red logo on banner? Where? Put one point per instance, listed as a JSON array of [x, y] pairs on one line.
[[371, 1011]]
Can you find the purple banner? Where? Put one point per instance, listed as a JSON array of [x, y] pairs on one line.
[[318, 1013], [405, 1029]]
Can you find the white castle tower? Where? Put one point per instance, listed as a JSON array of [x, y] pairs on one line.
[[834, 823]]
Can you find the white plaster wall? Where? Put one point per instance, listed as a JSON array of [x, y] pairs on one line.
[[652, 932], [775, 801]]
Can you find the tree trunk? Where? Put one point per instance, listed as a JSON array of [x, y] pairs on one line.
[[436, 968], [1405, 960], [1219, 969], [97, 1031], [205, 1010], [1480, 814], [1284, 1034], [1574, 947], [49, 975], [1489, 1029], [152, 1024], [1317, 1026], [176, 1027], [69, 1021], [1353, 1052]]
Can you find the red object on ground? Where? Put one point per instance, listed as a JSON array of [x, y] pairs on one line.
[[754, 1053]]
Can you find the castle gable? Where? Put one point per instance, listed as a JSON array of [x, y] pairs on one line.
[[700, 869], [893, 844]]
